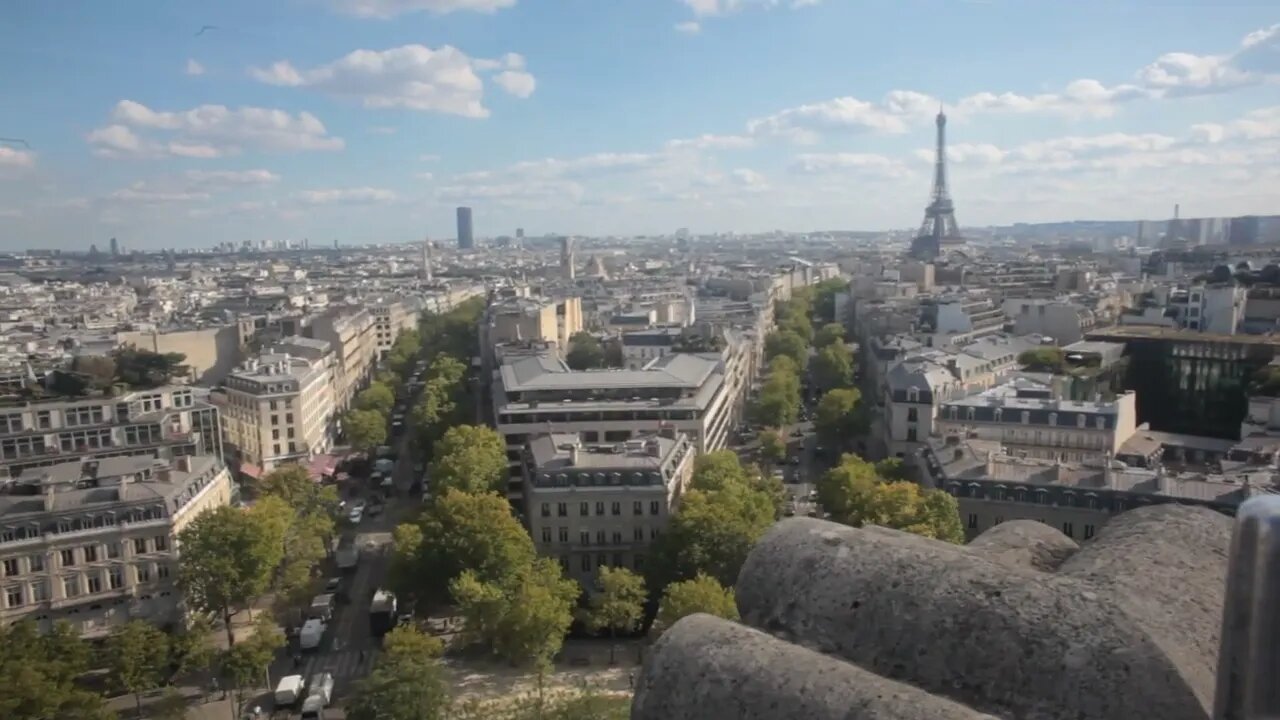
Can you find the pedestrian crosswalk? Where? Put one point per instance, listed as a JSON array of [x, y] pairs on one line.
[[342, 664]]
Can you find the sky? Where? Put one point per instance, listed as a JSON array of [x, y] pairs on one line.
[[174, 123]]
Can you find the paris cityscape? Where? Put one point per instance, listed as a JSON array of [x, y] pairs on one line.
[[496, 360]]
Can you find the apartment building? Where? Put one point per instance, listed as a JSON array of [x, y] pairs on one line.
[[699, 395], [992, 487], [1217, 308], [1062, 320], [390, 318], [93, 542], [602, 505], [159, 422], [524, 318], [277, 408], [959, 319], [352, 334]]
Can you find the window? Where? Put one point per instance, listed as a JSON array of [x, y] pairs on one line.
[[1053, 418], [40, 591], [36, 563], [70, 586], [1100, 422], [273, 407], [562, 509], [1068, 530], [564, 534], [546, 509], [546, 534], [616, 508], [617, 537], [584, 537], [113, 550], [637, 508], [600, 537], [68, 558], [638, 534], [276, 449], [653, 533], [144, 573], [912, 415], [275, 434], [1080, 420], [91, 553], [599, 508], [95, 584], [618, 560], [911, 434], [586, 563], [288, 418], [10, 568], [584, 509], [139, 546], [13, 596], [1026, 417], [602, 560], [1088, 532], [973, 521], [654, 507], [913, 394], [115, 578]]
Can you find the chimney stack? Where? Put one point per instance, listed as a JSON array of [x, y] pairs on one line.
[[573, 455]]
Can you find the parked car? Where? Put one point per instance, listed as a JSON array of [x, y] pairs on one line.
[[356, 514], [337, 588]]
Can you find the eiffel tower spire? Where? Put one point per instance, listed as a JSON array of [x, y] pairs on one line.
[[939, 227]]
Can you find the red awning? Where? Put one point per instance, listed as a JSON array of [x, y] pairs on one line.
[[251, 470]]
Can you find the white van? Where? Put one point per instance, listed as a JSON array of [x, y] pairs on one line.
[[319, 695]]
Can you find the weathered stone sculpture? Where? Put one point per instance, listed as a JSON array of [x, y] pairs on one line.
[[874, 623]]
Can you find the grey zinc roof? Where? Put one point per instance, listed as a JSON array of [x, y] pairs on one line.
[[543, 373]]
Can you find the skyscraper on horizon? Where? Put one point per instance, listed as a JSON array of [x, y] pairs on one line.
[[466, 237], [115, 247], [567, 259], [939, 228]]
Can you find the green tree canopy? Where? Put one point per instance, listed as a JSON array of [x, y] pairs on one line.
[[470, 458], [702, 594], [773, 447], [137, 654], [855, 495], [824, 299], [1043, 359], [366, 429], [461, 531], [227, 559], [789, 343], [778, 404], [718, 470], [585, 352], [838, 418], [618, 605], [522, 618], [378, 397], [712, 534], [244, 665], [829, 334], [833, 367], [39, 674], [145, 369], [407, 682]]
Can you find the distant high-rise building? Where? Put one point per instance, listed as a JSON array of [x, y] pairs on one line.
[[1244, 230], [426, 259], [519, 233], [466, 236], [939, 228], [566, 258], [115, 247]]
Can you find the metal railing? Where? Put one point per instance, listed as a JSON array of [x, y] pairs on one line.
[[1249, 659]]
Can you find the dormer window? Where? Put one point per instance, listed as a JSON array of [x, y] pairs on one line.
[[1053, 418], [953, 411], [1026, 417], [999, 414], [1080, 420], [913, 394], [1101, 422], [968, 413]]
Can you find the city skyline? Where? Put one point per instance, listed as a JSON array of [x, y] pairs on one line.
[[372, 120]]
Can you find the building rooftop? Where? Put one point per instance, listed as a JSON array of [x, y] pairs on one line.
[[88, 484], [1122, 333], [544, 373]]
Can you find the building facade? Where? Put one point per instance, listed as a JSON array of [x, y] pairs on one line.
[[602, 505], [94, 542]]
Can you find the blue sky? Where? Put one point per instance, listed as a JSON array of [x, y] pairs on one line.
[[370, 120]]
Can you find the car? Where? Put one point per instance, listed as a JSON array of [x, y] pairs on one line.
[[374, 509], [797, 433], [335, 586], [795, 460], [356, 514]]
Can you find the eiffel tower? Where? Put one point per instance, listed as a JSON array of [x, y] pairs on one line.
[[939, 228]]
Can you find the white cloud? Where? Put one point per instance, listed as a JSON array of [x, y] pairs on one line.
[[860, 163], [391, 8], [415, 77], [14, 158], [1261, 124], [219, 179], [142, 193], [805, 123], [750, 179], [711, 8], [1256, 61], [208, 131], [689, 27], [520, 84], [1084, 98], [194, 68], [711, 142], [345, 196]]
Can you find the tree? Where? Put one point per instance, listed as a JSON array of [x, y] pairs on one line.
[[190, 649], [470, 458], [618, 606], [39, 674], [799, 324], [303, 536], [718, 470], [778, 404], [833, 367], [378, 397], [891, 469], [1043, 359], [788, 343], [773, 448], [855, 495], [522, 619], [838, 419], [138, 657], [245, 663], [829, 334], [227, 559], [613, 356], [145, 369], [712, 534], [824, 298], [702, 594], [172, 705], [401, 690], [585, 352], [457, 532], [407, 643], [366, 429], [435, 411]]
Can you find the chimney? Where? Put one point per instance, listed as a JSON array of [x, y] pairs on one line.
[[182, 463], [573, 455], [122, 492], [50, 497]]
